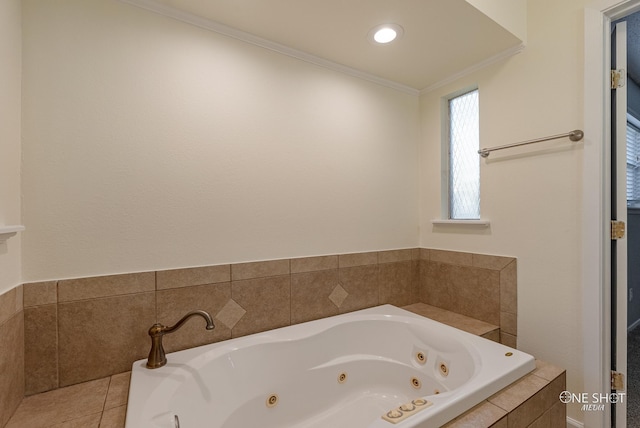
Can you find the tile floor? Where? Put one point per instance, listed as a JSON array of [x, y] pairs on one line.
[[100, 403]]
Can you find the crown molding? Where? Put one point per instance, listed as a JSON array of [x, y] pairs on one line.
[[246, 37], [482, 64], [243, 36]]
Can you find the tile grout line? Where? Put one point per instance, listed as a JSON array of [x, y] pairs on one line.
[[378, 275], [290, 294], [104, 403], [57, 338], [155, 295]]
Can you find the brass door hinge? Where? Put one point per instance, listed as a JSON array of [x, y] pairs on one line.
[[617, 79], [617, 381], [617, 229]]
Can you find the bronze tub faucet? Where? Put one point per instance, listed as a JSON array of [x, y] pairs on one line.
[[157, 357]]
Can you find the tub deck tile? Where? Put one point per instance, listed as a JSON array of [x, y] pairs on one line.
[[118, 392], [518, 392], [462, 322], [547, 371], [114, 418], [484, 414], [61, 405], [90, 421]]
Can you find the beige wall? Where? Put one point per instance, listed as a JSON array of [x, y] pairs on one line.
[[532, 196], [10, 80], [150, 144]]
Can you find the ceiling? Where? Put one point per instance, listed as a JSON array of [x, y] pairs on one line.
[[441, 37]]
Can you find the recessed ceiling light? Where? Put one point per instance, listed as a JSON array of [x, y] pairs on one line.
[[385, 33]]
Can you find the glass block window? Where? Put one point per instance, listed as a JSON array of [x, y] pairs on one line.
[[464, 161], [633, 162]]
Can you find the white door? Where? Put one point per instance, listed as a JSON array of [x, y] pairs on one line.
[[619, 213]]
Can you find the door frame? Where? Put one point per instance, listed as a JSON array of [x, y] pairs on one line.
[[619, 261], [596, 209]]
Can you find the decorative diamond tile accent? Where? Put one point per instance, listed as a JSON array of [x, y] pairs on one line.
[[338, 295], [231, 313]]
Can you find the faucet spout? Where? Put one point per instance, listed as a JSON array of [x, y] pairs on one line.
[[184, 319], [157, 357]]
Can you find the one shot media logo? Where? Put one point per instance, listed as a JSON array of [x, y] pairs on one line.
[[592, 402]]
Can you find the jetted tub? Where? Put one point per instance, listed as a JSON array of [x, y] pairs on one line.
[[347, 371]]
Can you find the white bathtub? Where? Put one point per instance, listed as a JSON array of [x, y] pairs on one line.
[[344, 371]]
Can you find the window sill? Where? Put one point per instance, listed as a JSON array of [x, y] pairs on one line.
[[470, 223]]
